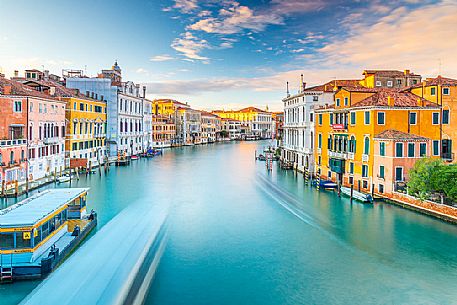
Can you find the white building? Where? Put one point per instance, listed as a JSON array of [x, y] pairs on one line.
[[209, 127], [298, 138], [188, 126], [147, 122], [130, 106], [233, 128]]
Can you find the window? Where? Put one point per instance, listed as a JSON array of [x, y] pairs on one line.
[[329, 175], [436, 147], [435, 118], [381, 188], [399, 150], [382, 148], [98, 109], [319, 140], [412, 118], [352, 144], [445, 118], [320, 118], [17, 106], [331, 118], [423, 149], [81, 106], [351, 167], [381, 171], [352, 118], [399, 174], [411, 150], [378, 83], [399, 82], [433, 91], [315, 98], [337, 102], [366, 146], [389, 83], [446, 91], [346, 101], [367, 117], [381, 118], [364, 171]]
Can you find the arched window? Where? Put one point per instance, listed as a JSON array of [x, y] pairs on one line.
[[366, 146], [352, 144], [122, 126]]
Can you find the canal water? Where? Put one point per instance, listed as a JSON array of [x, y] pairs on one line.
[[241, 235]]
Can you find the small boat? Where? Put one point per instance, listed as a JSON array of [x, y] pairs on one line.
[[134, 157], [157, 152], [325, 184], [365, 198], [64, 178], [261, 157], [45, 228]]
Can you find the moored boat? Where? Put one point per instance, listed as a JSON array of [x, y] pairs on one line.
[[38, 233], [365, 198], [325, 184], [134, 157], [64, 178]]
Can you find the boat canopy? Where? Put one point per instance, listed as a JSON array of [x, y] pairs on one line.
[[31, 210]]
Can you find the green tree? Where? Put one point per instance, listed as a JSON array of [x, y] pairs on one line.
[[421, 177]]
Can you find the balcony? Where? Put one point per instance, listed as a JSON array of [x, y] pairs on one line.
[[53, 140], [337, 154], [350, 155], [365, 158], [339, 127], [9, 143]]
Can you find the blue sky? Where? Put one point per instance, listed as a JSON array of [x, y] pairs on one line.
[[225, 53]]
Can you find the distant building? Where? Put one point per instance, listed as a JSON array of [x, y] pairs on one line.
[[259, 122], [163, 131], [210, 127], [188, 126], [232, 127]]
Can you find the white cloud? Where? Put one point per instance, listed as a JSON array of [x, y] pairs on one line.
[[164, 57], [190, 46], [184, 6]]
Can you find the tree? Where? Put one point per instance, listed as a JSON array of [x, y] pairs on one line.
[[420, 177]]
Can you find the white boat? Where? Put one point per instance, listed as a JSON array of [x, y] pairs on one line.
[[366, 198], [64, 178]]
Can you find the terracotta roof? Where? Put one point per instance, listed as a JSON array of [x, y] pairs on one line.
[[61, 90], [360, 89], [389, 73], [329, 86], [252, 109], [393, 134], [439, 80], [401, 99], [20, 89], [170, 101]]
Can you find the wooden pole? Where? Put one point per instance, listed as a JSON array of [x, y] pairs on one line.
[[352, 191], [16, 188]]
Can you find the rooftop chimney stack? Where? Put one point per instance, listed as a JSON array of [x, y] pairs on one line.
[[16, 73], [406, 72], [302, 87], [46, 74], [390, 101], [144, 91], [287, 85]]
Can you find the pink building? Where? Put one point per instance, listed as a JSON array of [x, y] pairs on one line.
[[44, 128], [395, 153], [13, 140]]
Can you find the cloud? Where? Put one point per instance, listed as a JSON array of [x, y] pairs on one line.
[[184, 6], [190, 46], [164, 57], [234, 18], [141, 71], [297, 50], [404, 39], [286, 7]]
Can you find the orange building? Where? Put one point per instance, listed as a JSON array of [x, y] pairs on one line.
[[345, 131]]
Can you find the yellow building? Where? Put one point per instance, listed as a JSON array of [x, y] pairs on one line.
[[163, 131], [345, 131], [167, 107], [86, 130], [389, 79], [443, 91], [260, 122]]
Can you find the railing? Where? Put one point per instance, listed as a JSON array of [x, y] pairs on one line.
[[337, 154], [350, 155], [5, 143], [339, 126], [53, 140], [365, 158]]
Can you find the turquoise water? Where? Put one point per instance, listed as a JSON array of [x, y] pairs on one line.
[[241, 235]]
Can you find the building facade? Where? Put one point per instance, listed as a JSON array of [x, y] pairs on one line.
[[163, 131], [188, 126]]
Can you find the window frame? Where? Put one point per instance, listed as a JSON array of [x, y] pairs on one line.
[[433, 118], [365, 118], [383, 118], [397, 144], [415, 118], [413, 151]]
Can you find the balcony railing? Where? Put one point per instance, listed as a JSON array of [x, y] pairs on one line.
[[350, 155], [337, 154], [53, 140], [339, 126], [365, 158], [6, 143]]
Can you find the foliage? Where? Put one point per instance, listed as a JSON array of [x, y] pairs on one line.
[[224, 133], [432, 176]]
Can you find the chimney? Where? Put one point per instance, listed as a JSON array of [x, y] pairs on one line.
[[52, 90], [46, 74], [287, 85], [16, 73], [144, 91], [406, 72], [7, 89], [390, 101], [302, 88]]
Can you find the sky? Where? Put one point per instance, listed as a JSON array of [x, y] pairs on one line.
[[229, 54]]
